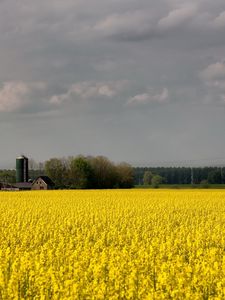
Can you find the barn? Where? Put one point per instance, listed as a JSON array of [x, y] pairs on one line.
[[8, 187], [23, 186], [42, 183]]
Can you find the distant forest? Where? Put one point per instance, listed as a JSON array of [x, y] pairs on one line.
[[100, 172], [182, 175]]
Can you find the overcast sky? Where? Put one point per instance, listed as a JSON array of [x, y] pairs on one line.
[[141, 81]]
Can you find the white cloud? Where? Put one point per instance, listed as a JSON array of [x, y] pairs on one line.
[[13, 96], [214, 75], [219, 21], [106, 90], [89, 90], [141, 98], [214, 71], [149, 97], [178, 16]]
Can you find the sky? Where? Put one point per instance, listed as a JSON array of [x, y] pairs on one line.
[[141, 81]]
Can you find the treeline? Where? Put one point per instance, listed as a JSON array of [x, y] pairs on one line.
[[79, 173], [89, 173], [7, 176], [99, 173], [182, 175]]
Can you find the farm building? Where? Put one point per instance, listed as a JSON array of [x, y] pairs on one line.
[[22, 173], [23, 186], [42, 183], [8, 187], [22, 182], [22, 169]]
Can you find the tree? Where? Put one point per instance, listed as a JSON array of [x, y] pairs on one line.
[[204, 183], [214, 176], [147, 178], [55, 169], [105, 173], [8, 176], [81, 173], [156, 180], [125, 175]]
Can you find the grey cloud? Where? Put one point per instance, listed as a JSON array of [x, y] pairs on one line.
[[213, 77], [131, 25], [87, 67], [130, 21], [139, 25], [219, 21]]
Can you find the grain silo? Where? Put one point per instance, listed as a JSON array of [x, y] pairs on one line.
[[22, 169]]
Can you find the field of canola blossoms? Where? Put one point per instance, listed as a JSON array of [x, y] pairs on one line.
[[114, 244]]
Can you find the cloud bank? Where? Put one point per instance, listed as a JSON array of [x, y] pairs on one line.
[[109, 70]]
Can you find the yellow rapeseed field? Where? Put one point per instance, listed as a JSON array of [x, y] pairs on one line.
[[112, 244]]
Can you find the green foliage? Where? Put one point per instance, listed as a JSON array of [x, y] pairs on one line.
[[125, 175], [89, 172], [85, 173], [204, 184], [8, 176], [105, 173], [81, 173], [214, 176], [147, 178], [182, 175], [156, 181], [56, 170]]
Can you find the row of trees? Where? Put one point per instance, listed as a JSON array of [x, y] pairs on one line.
[[100, 172], [89, 172], [79, 173], [214, 175], [7, 176]]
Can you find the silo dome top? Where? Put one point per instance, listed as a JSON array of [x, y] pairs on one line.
[[21, 157]]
